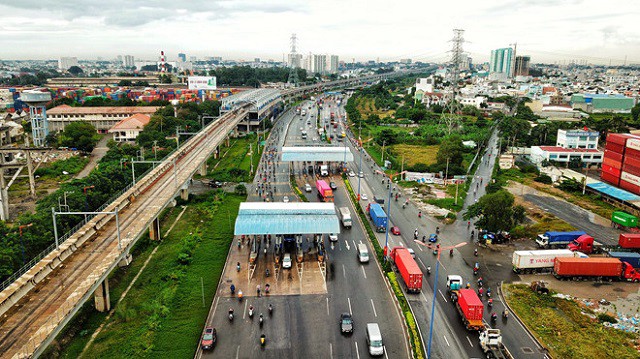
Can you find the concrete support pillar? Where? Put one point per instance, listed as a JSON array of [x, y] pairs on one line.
[[125, 261], [203, 169], [154, 230], [216, 153], [184, 194], [101, 296], [226, 141]]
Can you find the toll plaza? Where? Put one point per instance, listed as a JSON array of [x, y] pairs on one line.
[[310, 160], [268, 234]]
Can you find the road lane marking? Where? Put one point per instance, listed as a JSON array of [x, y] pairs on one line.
[[330, 350], [384, 348], [349, 300], [420, 260], [244, 313], [344, 272], [363, 272], [420, 248], [443, 297], [238, 352], [442, 265], [469, 340], [374, 309], [425, 297], [357, 352], [346, 243], [445, 339], [327, 306]]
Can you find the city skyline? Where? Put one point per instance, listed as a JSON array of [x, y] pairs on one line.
[[575, 30]]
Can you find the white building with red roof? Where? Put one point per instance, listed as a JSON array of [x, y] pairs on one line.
[[102, 118], [129, 128], [565, 155]]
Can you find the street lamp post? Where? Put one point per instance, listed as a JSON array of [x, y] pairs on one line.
[[360, 149], [435, 287]]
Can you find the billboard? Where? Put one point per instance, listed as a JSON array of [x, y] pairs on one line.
[[202, 83]]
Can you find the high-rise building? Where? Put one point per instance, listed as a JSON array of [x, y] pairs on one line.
[[500, 64], [522, 65], [65, 62], [128, 61], [333, 62], [321, 63], [182, 57]]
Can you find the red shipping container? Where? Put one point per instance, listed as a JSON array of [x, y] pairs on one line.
[[587, 267], [632, 153], [635, 189], [619, 138], [631, 169], [611, 162], [470, 304], [631, 161], [611, 170], [613, 155], [408, 268], [608, 177], [615, 147], [629, 240]]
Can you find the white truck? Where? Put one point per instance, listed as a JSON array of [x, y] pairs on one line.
[[324, 170], [345, 217], [540, 260], [491, 344]]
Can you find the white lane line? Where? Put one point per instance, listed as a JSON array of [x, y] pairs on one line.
[[327, 306], [238, 352], [445, 339], [330, 351], [349, 300], [355, 245], [363, 272], [420, 248], [244, 313], [385, 352], [344, 272], [469, 340], [424, 297], [420, 260], [443, 297], [374, 309], [357, 352], [442, 265]]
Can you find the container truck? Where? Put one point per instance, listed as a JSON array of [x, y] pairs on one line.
[[491, 344], [557, 239], [378, 217], [597, 268], [539, 261], [470, 308], [324, 191], [623, 219], [408, 269], [454, 284], [629, 242], [345, 217], [632, 258]]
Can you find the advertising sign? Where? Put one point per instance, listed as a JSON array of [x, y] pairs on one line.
[[202, 83]]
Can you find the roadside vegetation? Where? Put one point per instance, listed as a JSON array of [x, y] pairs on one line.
[[567, 329], [234, 162]]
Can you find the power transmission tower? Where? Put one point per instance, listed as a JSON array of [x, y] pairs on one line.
[[293, 59], [450, 115]]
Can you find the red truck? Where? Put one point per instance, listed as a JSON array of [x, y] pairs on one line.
[[587, 245], [470, 308], [594, 268], [324, 191], [408, 268]]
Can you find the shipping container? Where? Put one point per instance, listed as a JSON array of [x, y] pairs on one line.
[[607, 177], [630, 177], [629, 240], [635, 189], [614, 147], [631, 170], [633, 143], [632, 258], [632, 153], [408, 269], [613, 155], [587, 267], [611, 162], [538, 261], [611, 170], [470, 308], [618, 138]]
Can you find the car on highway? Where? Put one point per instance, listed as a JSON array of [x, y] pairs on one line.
[[352, 174], [307, 187], [333, 237], [285, 199], [412, 252], [286, 261], [333, 185], [433, 238], [361, 174], [346, 323], [395, 230], [363, 196], [209, 338]]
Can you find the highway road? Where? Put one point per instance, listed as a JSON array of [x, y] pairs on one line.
[[307, 325]]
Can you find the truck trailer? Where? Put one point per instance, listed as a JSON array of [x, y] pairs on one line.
[[491, 344], [470, 308], [632, 258], [378, 217], [539, 261], [408, 269], [345, 217], [557, 239], [324, 191], [596, 268], [627, 242]]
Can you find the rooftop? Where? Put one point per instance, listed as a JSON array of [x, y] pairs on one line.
[[325, 153], [68, 110], [286, 218], [562, 149], [137, 121]]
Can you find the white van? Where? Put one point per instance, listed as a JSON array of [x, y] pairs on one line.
[[363, 253], [374, 339]]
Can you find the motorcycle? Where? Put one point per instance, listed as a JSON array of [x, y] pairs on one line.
[[475, 252], [263, 340], [231, 314], [451, 252], [240, 296], [261, 320], [428, 270], [505, 314], [233, 289], [267, 288], [488, 292], [270, 310], [238, 267], [266, 272], [490, 303], [494, 318], [251, 311]]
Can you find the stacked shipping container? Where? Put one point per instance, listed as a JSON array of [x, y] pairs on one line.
[[621, 163]]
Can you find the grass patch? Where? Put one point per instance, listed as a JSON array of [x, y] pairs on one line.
[[234, 163], [163, 314], [562, 328], [72, 165], [414, 154]]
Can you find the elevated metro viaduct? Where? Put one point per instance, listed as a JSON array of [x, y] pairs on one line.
[[264, 104]]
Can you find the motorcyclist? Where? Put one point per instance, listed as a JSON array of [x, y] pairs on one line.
[[419, 214], [451, 252], [505, 313], [480, 291], [415, 234], [475, 252], [429, 270], [238, 266], [230, 313], [233, 289], [424, 238], [480, 282], [490, 302], [494, 317], [437, 230], [240, 295]]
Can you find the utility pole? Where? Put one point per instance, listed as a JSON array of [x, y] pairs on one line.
[[451, 117], [293, 66], [383, 142]]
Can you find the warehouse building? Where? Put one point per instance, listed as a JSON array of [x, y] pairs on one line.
[[102, 118]]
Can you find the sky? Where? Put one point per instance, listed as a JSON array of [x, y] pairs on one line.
[[550, 31]]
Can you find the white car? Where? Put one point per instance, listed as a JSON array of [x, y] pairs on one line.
[[363, 196], [361, 174], [333, 237], [286, 261], [285, 199], [307, 187], [412, 252], [352, 174]]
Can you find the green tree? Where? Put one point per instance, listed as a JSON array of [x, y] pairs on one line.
[[75, 70], [451, 149], [635, 112], [81, 135], [125, 83], [387, 136], [496, 212]]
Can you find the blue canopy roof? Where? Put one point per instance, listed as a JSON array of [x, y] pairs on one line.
[[286, 218], [614, 192], [324, 153]]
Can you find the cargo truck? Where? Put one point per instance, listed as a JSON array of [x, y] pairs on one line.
[[345, 217], [324, 170], [632, 258], [557, 239], [324, 191], [408, 269], [629, 242], [623, 219], [378, 217], [539, 261], [597, 268], [454, 284], [491, 344], [470, 308]]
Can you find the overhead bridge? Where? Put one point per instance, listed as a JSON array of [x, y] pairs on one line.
[[40, 299]]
